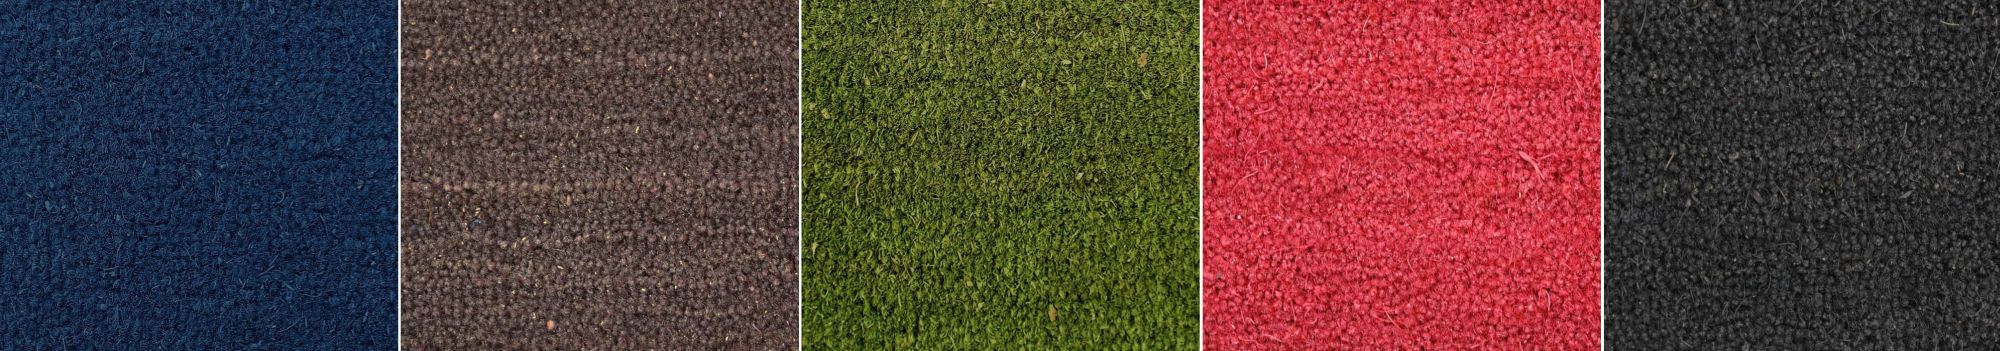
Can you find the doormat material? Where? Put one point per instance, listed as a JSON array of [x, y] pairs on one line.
[[1408, 176], [600, 175], [1787, 177], [1001, 175], [190, 177]]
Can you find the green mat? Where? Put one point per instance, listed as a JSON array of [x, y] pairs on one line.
[[1001, 175]]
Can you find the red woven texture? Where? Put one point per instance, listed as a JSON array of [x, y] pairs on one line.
[[1401, 175]]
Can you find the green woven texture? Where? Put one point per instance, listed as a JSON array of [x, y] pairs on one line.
[[1001, 175]]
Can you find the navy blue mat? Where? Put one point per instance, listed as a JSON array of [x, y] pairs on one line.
[[197, 176]]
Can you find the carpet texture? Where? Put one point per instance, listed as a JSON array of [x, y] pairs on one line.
[[1013, 175], [1803, 177], [183, 176], [600, 175], [1401, 175]]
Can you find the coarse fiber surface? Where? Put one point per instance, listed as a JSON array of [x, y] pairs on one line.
[[600, 175], [1001, 175], [189, 176], [1803, 177], [1401, 175]]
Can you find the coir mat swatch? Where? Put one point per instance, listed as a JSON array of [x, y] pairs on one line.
[[1001, 175], [600, 175], [1401, 175], [1785, 177], [181, 176]]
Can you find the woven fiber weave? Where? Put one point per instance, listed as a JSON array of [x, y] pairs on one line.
[[1005, 175], [191, 176], [1401, 176], [1803, 177], [600, 175]]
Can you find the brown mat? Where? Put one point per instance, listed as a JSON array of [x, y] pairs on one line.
[[596, 175]]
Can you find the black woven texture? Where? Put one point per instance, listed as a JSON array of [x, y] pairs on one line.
[[1802, 175], [600, 175]]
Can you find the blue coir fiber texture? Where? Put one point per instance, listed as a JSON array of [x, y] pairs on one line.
[[197, 175]]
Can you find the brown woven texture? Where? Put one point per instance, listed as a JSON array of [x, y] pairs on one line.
[[600, 175]]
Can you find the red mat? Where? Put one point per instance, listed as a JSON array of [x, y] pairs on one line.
[[1401, 175]]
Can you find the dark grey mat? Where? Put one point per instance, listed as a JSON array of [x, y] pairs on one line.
[[1802, 176]]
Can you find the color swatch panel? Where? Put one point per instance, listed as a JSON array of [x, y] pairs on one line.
[[181, 176], [1401, 175], [1802, 177], [600, 175], [1001, 175]]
